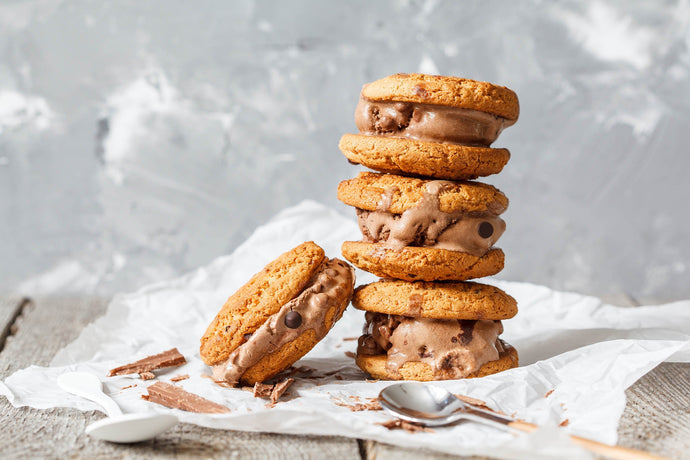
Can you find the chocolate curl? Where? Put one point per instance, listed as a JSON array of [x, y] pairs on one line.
[[169, 358]]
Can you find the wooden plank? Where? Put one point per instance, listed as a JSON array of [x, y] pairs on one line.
[[46, 325], [656, 416], [377, 450], [657, 413], [10, 307]]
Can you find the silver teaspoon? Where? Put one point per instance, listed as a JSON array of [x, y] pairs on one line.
[[431, 405], [117, 427]]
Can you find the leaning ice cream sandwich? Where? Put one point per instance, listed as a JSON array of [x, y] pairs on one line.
[[278, 316], [433, 331], [431, 125], [424, 230]]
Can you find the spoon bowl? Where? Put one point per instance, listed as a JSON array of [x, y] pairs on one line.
[[131, 427], [432, 405], [116, 427]]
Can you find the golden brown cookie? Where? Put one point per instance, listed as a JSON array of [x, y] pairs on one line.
[[461, 300], [278, 316], [451, 91], [370, 191], [422, 264], [376, 367], [261, 297], [431, 159]]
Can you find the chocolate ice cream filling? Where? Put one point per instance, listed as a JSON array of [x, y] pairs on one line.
[[453, 348], [428, 122], [309, 310], [426, 225]]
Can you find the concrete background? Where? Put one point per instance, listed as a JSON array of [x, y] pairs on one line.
[[139, 140]]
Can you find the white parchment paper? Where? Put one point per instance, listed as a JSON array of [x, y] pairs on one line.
[[577, 356]]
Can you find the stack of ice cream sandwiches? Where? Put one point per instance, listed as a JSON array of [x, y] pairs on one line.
[[428, 227]]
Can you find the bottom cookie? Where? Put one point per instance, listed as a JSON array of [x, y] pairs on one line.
[[376, 367], [420, 263]]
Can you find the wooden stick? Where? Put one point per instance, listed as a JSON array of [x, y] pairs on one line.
[[614, 452]]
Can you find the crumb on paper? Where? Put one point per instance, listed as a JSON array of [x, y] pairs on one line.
[[397, 424], [564, 423], [147, 375], [349, 339], [129, 386], [300, 370], [548, 394], [217, 382], [179, 378], [350, 354], [357, 405]]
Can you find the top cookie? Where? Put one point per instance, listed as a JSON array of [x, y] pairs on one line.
[[449, 91], [263, 295], [373, 191]]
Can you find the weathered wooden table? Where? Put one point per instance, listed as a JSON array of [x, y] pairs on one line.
[[656, 418]]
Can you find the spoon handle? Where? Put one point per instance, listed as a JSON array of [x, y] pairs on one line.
[[88, 386], [614, 452]]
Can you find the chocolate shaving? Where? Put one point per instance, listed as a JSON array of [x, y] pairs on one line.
[[410, 427], [128, 386], [548, 394], [147, 375], [262, 390], [298, 370], [180, 377], [472, 401], [350, 354], [175, 397], [349, 339], [371, 404], [564, 423], [169, 358], [280, 388], [273, 392]]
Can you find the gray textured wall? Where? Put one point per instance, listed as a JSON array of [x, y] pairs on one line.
[[139, 140]]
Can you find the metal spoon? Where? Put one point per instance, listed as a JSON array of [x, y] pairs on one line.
[[434, 406], [116, 427]]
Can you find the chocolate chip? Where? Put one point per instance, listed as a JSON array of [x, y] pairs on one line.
[[293, 320], [486, 229], [424, 352], [420, 91]]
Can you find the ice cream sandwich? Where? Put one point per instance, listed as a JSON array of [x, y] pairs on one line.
[[277, 316], [428, 125], [424, 230], [433, 331]]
